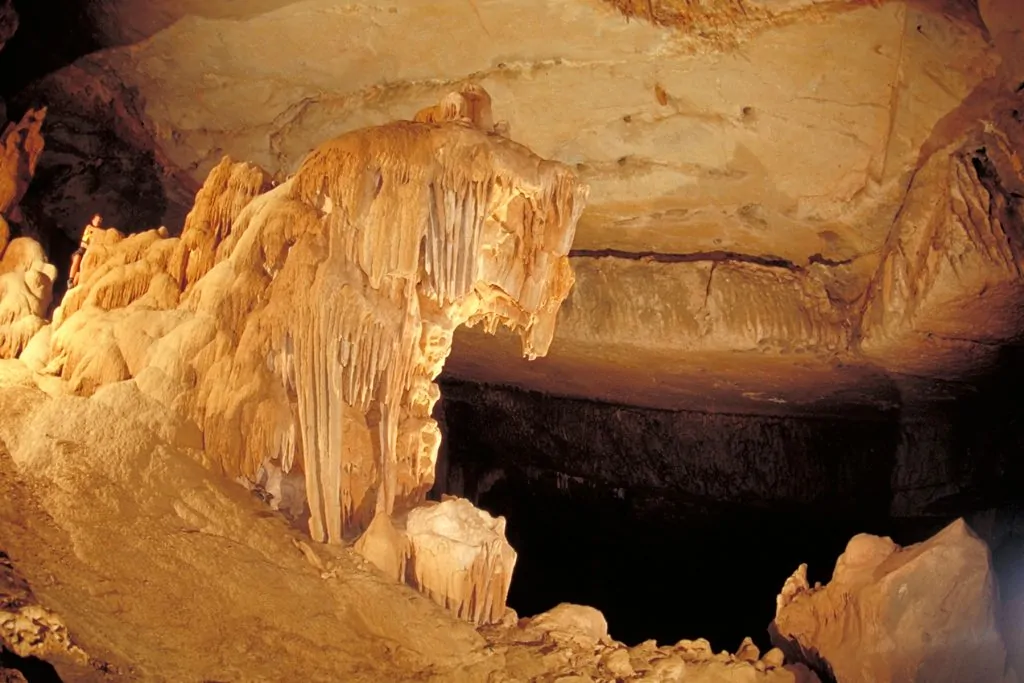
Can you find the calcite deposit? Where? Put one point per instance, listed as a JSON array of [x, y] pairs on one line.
[[452, 551], [300, 326], [794, 207], [26, 276]]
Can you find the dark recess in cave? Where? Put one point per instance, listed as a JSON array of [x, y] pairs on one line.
[[51, 34], [33, 669], [682, 525], [85, 168]]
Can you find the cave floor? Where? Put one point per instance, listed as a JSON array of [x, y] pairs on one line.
[[162, 570]]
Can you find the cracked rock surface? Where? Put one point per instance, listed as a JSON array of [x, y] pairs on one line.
[[792, 203]]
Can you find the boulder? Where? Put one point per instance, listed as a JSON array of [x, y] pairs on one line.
[[926, 612]]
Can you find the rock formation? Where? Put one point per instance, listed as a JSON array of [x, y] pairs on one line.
[[26, 276], [575, 639], [719, 240], [451, 551], [21, 144], [797, 207], [300, 327], [926, 612]]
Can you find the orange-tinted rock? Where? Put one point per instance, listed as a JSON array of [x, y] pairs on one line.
[[301, 327], [925, 612], [21, 144]]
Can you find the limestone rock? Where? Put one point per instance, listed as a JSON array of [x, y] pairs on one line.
[[26, 286], [459, 557], [318, 301], [692, 325], [720, 246], [569, 619], [299, 327], [385, 547], [30, 630], [924, 612], [451, 551], [21, 145], [773, 658], [617, 663], [119, 525], [747, 651], [951, 273]]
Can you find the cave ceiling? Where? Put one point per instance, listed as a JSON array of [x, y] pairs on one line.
[[794, 205]]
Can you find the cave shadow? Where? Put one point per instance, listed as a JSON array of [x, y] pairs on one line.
[[51, 34], [33, 669], [794, 652], [672, 560], [659, 570], [87, 168]]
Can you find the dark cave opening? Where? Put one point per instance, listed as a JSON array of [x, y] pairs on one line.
[[51, 34], [32, 669], [686, 525], [712, 574]]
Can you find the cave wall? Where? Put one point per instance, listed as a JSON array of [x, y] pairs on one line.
[[952, 457], [669, 458], [702, 514]]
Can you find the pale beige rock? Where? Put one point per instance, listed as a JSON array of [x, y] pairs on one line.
[[617, 663], [572, 619], [452, 552], [26, 286], [783, 336], [117, 529], [750, 118], [458, 555], [701, 135], [925, 612]]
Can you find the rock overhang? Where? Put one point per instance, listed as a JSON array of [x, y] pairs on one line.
[[769, 147]]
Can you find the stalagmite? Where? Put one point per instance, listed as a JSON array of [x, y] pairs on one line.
[[451, 551], [458, 556]]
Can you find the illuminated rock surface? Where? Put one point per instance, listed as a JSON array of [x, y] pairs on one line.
[[767, 178], [795, 207], [922, 613], [26, 276], [299, 327]]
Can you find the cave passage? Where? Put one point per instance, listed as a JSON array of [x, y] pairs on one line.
[[686, 525], [713, 573], [33, 669]]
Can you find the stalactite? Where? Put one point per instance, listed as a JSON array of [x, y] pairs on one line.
[[333, 298]]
